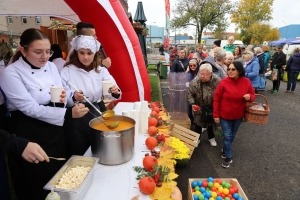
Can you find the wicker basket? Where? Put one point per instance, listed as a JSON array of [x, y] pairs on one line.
[[257, 116]]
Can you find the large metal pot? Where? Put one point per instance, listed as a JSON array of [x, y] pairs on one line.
[[113, 147]]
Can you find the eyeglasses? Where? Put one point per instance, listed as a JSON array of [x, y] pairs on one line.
[[231, 69], [40, 53]]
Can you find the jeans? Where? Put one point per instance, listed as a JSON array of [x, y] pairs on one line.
[[229, 129], [292, 80]]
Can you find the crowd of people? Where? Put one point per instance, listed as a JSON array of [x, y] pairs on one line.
[[39, 128], [226, 79]]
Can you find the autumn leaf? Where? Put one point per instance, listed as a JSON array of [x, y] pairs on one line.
[[164, 192]]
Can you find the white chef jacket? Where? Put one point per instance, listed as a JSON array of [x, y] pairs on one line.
[[28, 90], [59, 62], [2, 67], [90, 83]]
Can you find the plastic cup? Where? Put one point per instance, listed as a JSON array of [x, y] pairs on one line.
[[106, 85], [55, 93]]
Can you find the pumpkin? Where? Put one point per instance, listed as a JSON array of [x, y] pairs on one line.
[[147, 185], [149, 162], [152, 130], [151, 143]]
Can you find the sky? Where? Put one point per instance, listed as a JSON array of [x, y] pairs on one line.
[[285, 12]]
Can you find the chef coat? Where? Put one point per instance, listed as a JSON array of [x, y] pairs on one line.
[[90, 83], [28, 90]]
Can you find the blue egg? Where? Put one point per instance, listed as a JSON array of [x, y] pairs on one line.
[[207, 194], [210, 179], [199, 183], [202, 189], [194, 184], [235, 195], [196, 197]]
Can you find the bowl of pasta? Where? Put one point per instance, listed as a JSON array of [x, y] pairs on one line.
[[73, 179]]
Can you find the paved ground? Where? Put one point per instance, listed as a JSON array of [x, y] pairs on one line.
[[266, 157]]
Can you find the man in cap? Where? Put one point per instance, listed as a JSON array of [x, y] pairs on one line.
[[278, 61]]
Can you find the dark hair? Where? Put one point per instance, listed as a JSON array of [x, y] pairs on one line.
[[29, 36], [239, 67], [75, 61], [82, 25], [240, 51], [57, 53]]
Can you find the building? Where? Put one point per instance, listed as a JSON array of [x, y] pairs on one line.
[[155, 34], [290, 31]]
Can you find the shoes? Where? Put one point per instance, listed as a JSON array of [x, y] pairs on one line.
[[223, 155], [274, 91], [287, 91], [213, 142], [227, 162]]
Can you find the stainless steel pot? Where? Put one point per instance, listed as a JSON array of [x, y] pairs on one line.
[[113, 147]]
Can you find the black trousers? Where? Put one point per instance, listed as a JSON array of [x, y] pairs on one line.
[[209, 128]]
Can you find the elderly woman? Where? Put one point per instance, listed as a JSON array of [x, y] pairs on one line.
[[200, 94], [192, 72], [252, 68], [228, 58], [229, 106], [220, 57]]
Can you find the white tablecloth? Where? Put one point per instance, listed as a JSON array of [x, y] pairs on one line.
[[118, 182]]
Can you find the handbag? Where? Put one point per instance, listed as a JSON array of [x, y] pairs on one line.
[[206, 111], [274, 74]]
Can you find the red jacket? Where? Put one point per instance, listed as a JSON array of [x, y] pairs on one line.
[[229, 103]]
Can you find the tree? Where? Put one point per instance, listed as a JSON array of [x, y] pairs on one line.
[[202, 14], [251, 17]]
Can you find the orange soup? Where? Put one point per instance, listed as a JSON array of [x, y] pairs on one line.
[[124, 125]]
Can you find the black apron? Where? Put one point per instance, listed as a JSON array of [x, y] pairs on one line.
[[30, 178], [78, 135]]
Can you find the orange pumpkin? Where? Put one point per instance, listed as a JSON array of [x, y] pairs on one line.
[[152, 121], [152, 130], [151, 143], [149, 162], [147, 185]]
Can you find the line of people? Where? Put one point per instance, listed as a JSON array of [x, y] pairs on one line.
[[44, 128]]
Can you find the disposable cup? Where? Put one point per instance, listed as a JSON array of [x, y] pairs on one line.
[[106, 85], [55, 93]]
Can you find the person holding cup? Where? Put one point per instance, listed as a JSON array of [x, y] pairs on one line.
[[26, 84], [93, 80]]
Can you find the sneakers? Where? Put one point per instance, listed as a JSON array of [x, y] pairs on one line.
[[212, 142], [274, 91], [227, 162], [223, 155], [287, 91]]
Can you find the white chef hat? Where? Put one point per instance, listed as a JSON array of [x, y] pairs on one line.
[[85, 42]]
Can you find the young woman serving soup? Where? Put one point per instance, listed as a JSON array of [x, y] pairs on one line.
[[26, 84]]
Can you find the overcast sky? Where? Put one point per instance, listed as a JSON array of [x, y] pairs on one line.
[[285, 12]]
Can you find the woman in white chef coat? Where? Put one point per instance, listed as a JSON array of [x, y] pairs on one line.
[[85, 72], [26, 84]]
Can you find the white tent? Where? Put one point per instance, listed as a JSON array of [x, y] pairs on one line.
[[56, 8]]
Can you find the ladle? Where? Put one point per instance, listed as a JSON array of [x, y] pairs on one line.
[[110, 113], [113, 125]]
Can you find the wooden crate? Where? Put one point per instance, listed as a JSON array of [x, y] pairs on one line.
[[232, 181], [190, 138]]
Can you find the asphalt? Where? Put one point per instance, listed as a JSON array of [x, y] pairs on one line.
[[266, 157]]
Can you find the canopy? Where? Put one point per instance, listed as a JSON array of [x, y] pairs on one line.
[[294, 42], [280, 42], [57, 8]]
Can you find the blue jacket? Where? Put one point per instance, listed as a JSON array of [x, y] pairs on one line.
[[267, 59], [252, 72], [293, 63]]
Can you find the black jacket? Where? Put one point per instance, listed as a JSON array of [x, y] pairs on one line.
[[11, 144], [278, 60]]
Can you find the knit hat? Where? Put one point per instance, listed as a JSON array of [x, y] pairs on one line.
[[218, 43]]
